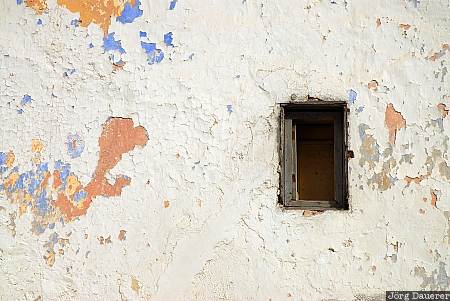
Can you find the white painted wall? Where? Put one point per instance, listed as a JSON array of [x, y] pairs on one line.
[[200, 213]]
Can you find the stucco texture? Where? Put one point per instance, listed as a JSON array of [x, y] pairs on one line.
[[139, 149]]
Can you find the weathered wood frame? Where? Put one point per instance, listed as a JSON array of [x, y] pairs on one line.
[[313, 111]]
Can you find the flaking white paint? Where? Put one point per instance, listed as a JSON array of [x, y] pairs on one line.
[[201, 214]]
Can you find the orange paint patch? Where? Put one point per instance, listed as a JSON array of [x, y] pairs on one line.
[[394, 122], [440, 53], [404, 26], [122, 235], [166, 204], [36, 146], [119, 136], [135, 285], [372, 85], [10, 158], [434, 198], [39, 6], [416, 180], [95, 11], [443, 109]]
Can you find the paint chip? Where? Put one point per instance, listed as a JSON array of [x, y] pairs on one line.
[[75, 145], [352, 96], [434, 198], [135, 286], [404, 26], [168, 38], [172, 4], [378, 22], [443, 109], [372, 85], [394, 122], [122, 235], [166, 203]]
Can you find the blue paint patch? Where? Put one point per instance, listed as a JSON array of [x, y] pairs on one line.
[[75, 145], [20, 111], [41, 203], [110, 44], [69, 72], [42, 167], [20, 182], [154, 55], [80, 196], [26, 99], [51, 226], [75, 22], [39, 22], [114, 47], [64, 169], [53, 237], [19, 2], [229, 108], [352, 96], [142, 34], [91, 45], [168, 39], [172, 4], [2, 158], [130, 12], [360, 109], [34, 184]]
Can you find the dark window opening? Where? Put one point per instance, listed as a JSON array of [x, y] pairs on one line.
[[313, 155]]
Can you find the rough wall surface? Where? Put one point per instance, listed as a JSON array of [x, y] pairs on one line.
[[139, 149]]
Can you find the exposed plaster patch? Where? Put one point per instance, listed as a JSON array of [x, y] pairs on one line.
[[442, 109], [437, 280], [104, 241], [383, 179], [447, 216], [416, 180], [369, 149], [394, 122], [309, 213], [440, 53], [135, 286]]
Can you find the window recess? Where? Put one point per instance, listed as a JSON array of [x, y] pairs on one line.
[[314, 155]]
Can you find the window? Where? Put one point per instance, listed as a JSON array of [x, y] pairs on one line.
[[314, 155]]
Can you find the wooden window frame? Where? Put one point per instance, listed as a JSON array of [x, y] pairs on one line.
[[335, 111]]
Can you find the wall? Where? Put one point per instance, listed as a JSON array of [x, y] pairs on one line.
[[139, 151]]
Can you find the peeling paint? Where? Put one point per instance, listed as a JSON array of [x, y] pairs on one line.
[[437, 55], [32, 188], [369, 150], [97, 12], [394, 122], [39, 6], [90, 209], [443, 109]]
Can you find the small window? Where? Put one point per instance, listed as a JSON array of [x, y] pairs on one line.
[[314, 155]]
